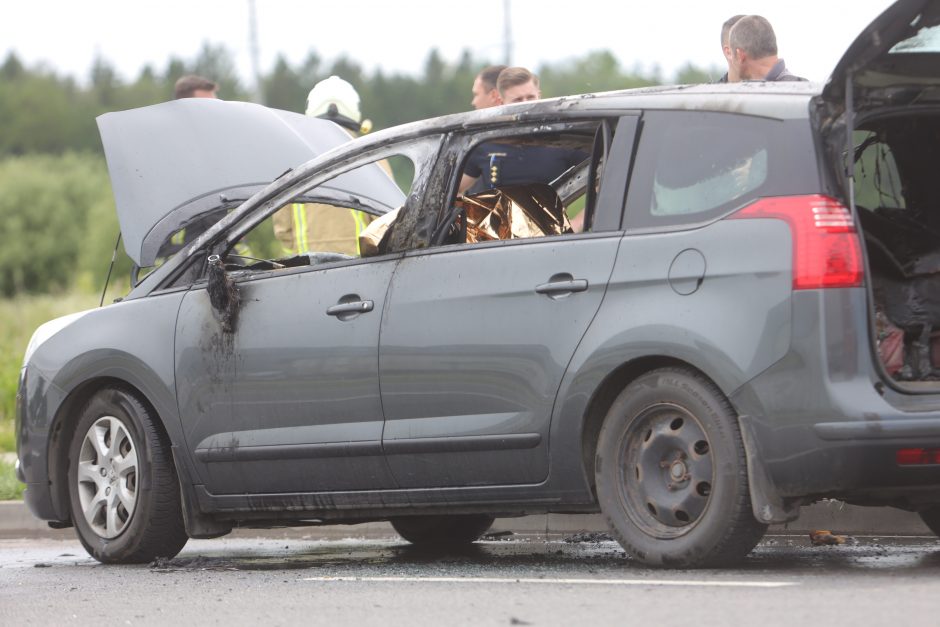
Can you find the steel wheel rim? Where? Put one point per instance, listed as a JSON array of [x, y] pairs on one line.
[[666, 471], [107, 477]]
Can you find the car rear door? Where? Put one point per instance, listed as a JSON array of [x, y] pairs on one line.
[[475, 341]]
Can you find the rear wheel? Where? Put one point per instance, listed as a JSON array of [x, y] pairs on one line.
[[123, 487], [442, 530], [671, 473], [931, 518]]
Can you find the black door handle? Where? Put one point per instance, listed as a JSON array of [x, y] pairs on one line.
[[356, 307], [562, 287]]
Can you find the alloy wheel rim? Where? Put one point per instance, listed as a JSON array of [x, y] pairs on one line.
[[107, 477], [667, 471]]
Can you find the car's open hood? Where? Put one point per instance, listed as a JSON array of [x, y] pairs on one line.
[[900, 48], [173, 161]]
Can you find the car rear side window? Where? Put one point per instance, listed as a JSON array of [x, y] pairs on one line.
[[692, 167]]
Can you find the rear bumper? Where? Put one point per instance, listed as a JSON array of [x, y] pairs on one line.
[[893, 428], [852, 461], [821, 422]]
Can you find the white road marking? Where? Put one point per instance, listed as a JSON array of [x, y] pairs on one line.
[[595, 582]]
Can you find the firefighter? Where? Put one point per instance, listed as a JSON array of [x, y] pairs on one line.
[[313, 227]]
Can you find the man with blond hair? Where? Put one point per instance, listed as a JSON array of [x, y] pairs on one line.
[[517, 84], [494, 164]]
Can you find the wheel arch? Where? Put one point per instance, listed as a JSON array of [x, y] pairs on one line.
[[768, 506], [63, 429], [605, 394]]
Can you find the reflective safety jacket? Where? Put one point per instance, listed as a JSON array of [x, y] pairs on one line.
[[314, 227]]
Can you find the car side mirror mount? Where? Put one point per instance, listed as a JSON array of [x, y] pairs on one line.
[[223, 294]]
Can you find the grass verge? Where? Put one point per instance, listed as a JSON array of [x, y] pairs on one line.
[[10, 488], [19, 317]]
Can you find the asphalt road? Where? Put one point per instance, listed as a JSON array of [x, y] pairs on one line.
[[293, 581]]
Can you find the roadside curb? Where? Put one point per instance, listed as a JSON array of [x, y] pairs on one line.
[[16, 521]]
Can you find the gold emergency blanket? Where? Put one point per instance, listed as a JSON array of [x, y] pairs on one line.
[[514, 211]]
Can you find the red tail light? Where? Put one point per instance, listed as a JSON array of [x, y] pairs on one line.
[[918, 456], [826, 248]]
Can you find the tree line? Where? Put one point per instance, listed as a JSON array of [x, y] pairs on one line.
[[44, 112]]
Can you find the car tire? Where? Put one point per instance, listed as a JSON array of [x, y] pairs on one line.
[[123, 487], [671, 473], [442, 530], [931, 518]]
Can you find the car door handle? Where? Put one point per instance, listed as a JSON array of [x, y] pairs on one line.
[[356, 307], [562, 287]]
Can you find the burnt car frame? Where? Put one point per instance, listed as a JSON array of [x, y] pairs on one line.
[[701, 360]]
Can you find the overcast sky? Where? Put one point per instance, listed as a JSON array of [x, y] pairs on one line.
[[396, 36]]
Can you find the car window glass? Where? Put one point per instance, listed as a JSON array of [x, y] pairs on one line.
[[319, 226], [695, 166], [877, 181], [522, 186], [926, 40], [703, 168]]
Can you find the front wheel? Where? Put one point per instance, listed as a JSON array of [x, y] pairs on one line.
[[123, 486], [671, 473], [442, 530]]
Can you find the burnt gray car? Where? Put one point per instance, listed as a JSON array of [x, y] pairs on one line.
[[720, 311]]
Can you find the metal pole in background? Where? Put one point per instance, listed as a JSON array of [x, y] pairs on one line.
[[254, 51], [507, 32]]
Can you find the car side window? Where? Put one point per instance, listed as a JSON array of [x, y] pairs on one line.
[[877, 180], [320, 225], [692, 167], [515, 186]]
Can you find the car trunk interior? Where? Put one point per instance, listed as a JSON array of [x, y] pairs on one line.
[[898, 200]]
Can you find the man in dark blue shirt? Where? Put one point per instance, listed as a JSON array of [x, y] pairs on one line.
[[494, 164]]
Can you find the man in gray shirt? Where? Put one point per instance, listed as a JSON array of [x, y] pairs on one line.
[[754, 52]]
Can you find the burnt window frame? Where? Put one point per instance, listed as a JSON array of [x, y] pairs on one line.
[[462, 144]]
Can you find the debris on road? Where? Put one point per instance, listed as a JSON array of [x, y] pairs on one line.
[[498, 535], [592, 536], [823, 537]]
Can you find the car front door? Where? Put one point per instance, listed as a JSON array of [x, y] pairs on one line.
[[279, 391], [289, 401]]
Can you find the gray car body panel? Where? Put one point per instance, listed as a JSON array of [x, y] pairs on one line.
[[106, 345], [470, 366], [290, 402], [822, 420]]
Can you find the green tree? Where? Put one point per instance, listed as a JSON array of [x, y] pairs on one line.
[[12, 68], [42, 113], [104, 83], [45, 202], [690, 74], [216, 64], [595, 72], [283, 88]]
